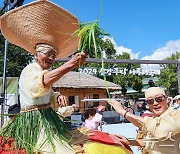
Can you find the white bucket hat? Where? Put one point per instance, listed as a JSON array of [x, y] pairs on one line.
[[154, 91], [41, 22]]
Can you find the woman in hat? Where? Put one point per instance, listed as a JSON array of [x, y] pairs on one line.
[[45, 30], [37, 99], [159, 134]]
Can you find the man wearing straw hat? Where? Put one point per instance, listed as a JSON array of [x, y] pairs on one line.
[[45, 30], [160, 134]]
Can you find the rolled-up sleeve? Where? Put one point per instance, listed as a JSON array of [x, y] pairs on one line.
[[65, 111]]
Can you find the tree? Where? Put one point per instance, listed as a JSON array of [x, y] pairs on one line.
[[168, 76], [128, 79], [106, 46], [17, 59]]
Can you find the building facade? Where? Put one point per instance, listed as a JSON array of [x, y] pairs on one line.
[[78, 86]]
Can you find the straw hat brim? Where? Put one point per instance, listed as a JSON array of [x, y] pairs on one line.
[[41, 22]]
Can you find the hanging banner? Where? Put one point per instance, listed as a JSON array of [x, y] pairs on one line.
[[116, 71]]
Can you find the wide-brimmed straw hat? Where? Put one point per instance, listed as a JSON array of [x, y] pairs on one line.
[[41, 22], [154, 91]]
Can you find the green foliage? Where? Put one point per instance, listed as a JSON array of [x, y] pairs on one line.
[[17, 59], [57, 64], [128, 79], [109, 49], [90, 39], [109, 52], [93, 40], [168, 76], [137, 83]]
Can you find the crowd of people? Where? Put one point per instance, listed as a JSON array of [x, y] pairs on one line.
[[38, 127]]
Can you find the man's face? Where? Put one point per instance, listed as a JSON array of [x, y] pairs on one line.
[[157, 104], [45, 58], [178, 101]]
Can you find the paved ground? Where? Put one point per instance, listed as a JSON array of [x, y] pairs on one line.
[[126, 129]]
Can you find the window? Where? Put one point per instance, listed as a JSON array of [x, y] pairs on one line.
[[71, 100], [95, 96]]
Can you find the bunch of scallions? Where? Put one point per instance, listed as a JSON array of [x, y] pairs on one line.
[[91, 41]]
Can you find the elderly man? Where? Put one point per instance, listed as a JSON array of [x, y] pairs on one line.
[[46, 31], [159, 134]]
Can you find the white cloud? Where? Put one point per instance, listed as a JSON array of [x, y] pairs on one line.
[[121, 49], [170, 47], [161, 53]]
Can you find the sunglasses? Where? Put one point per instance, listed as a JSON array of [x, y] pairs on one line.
[[157, 99]]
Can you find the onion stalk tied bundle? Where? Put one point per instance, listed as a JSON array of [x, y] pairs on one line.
[[91, 41], [90, 38]]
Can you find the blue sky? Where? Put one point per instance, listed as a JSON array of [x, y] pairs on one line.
[[147, 29]]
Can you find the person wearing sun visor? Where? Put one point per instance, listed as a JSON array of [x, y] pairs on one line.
[[159, 134]]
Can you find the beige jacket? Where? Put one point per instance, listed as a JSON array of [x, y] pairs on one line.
[[162, 134]]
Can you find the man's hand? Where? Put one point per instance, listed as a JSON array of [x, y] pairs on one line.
[[78, 60], [117, 106], [75, 107], [62, 100], [101, 108]]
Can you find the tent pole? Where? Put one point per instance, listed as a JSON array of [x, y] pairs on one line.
[[3, 93], [4, 83]]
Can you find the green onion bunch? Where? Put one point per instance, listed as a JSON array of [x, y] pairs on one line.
[[90, 39], [26, 128]]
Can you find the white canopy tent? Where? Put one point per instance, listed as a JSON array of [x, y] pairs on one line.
[[11, 93]]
